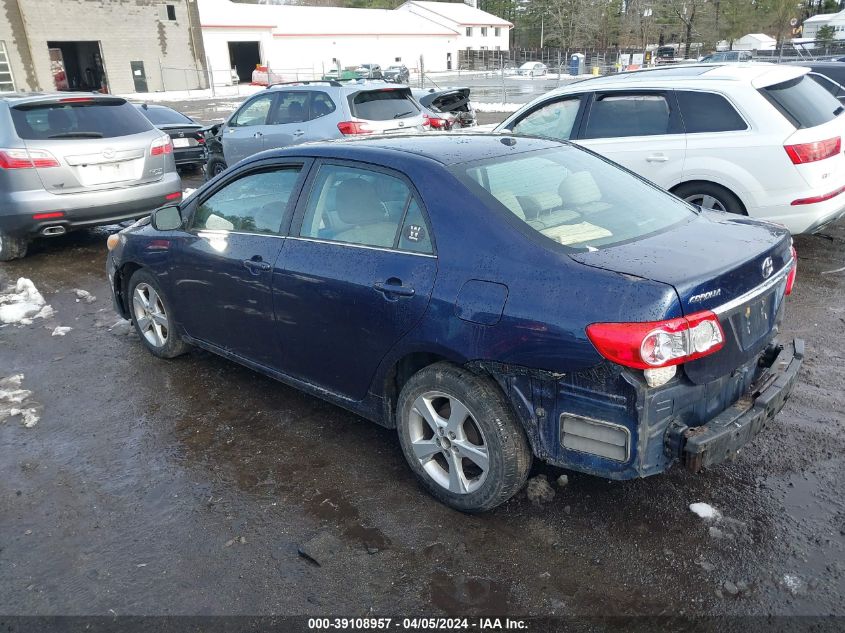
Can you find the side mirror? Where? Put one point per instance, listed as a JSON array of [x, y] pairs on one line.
[[167, 218]]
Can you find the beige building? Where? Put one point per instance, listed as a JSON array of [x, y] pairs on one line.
[[116, 46]]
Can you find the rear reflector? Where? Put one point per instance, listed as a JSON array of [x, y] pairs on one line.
[[811, 152], [790, 278], [658, 343], [49, 216], [161, 145], [26, 159], [822, 198], [349, 128], [174, 196]]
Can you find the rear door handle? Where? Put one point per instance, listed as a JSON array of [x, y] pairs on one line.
[[393, 288], [299, 133], [257, 135], [657, 158], [256, 266]]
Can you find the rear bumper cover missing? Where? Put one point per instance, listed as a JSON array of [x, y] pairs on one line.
[[721, 437]]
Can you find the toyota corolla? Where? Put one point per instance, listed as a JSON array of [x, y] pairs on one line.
[[494, 299]]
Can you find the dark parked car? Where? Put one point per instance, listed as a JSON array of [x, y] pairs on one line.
[[490, 297], [185, 134], [397, 74], [447, 109]]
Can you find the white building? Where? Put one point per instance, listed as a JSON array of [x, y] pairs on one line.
[[755, 42], [812, 25], [297, 41]]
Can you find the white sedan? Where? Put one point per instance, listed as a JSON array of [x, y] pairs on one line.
[[532, 69]]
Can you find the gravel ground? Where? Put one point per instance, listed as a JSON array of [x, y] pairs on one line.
[[197, 486]]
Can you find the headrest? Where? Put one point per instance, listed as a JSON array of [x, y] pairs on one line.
[[579, 188], [357, 202]]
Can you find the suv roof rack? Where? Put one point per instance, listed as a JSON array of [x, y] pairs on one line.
[[308, 82]]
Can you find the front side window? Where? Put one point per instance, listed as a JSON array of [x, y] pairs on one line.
[[628, 115], [255, 203], [253, 113], [573, 198], [360, 206], [553, 120], [708, 112]]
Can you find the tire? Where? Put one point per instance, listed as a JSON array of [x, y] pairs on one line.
[[215, 165], [709, 195], [152, 316], [484, 425], [12, 247]]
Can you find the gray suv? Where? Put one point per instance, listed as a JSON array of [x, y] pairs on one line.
[[298, 112], [72, 160]]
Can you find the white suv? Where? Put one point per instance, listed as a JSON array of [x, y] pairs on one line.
[[757, 139]]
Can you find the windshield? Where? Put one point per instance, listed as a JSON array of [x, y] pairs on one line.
[[165, 116], [574, 198], [804, 101], [383, 105]]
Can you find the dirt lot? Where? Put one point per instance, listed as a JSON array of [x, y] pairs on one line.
[[194, 486]]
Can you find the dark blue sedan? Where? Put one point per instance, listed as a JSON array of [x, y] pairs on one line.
[[493, 298]]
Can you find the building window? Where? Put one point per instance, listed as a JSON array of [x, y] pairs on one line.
[[469, 31], [497, 31], [171, 11], [483, 31], [498, 48], [7, 82]]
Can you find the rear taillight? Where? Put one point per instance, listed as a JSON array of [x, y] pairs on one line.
[[162, 145], [52, 215], [790, 278], [811, 152], [200, 141], [349, 128], [177, 195], [658, 343], [435, 122], [26, 159]]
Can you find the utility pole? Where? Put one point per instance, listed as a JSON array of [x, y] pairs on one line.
[[542, 30]]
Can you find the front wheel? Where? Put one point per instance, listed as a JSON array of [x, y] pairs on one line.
[[12, 247], [152, 317], [461, 438], [214, 167]]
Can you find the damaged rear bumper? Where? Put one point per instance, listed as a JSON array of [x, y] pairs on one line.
[[723, 436]]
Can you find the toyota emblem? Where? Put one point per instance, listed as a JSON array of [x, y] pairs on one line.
[[768, 268]]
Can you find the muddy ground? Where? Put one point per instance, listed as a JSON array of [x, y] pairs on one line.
[[194, 486]]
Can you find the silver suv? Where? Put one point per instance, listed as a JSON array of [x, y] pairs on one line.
[[72, 160], [293, 113]]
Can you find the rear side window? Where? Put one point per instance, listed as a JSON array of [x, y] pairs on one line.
[[292, 107], [708, 112], [321, 105], [383, 105], [628, 115], [803, 101], [165, 116], [95, 119]]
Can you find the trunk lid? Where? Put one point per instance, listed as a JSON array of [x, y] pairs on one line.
[[732, 266], [98, 142], [183, 136]]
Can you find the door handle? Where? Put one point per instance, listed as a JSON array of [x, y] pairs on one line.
[[393, 288], [257, 135], [657, 158], [256, 265], [299, 133]]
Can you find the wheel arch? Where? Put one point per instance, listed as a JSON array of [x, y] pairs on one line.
[[710, 181], [121, 285]]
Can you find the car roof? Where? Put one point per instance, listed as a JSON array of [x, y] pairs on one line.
[[444, 148], [350, 85], [50, 96], [758, 73]]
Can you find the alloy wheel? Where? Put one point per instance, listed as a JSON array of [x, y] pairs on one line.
[[706, 201], [150, 315], [448, 442]]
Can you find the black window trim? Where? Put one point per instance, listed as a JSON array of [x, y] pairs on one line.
[[295, 226], [676, 127], [748, 126], [272, 164]]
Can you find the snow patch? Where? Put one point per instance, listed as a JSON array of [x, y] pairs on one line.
[[793, 583], [187, 191], [705, 510], [21, 303], [14, 401], [496, 107], [84, 295], [61, 330]]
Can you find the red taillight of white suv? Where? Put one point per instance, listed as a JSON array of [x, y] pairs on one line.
[[26, 159], [811, 152], [349, 128], [654, 344], [162, 145]]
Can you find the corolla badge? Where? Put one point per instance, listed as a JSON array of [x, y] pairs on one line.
[[704, 296], [768, 267]]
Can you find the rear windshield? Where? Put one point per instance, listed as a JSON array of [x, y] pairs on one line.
[[803, 101], [165, 116], [383, 105], [574, 198], [93, 119]]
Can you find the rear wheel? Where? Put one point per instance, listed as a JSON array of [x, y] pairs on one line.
[[152, 316], [461, 438], [708, 195], [12, 247]]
